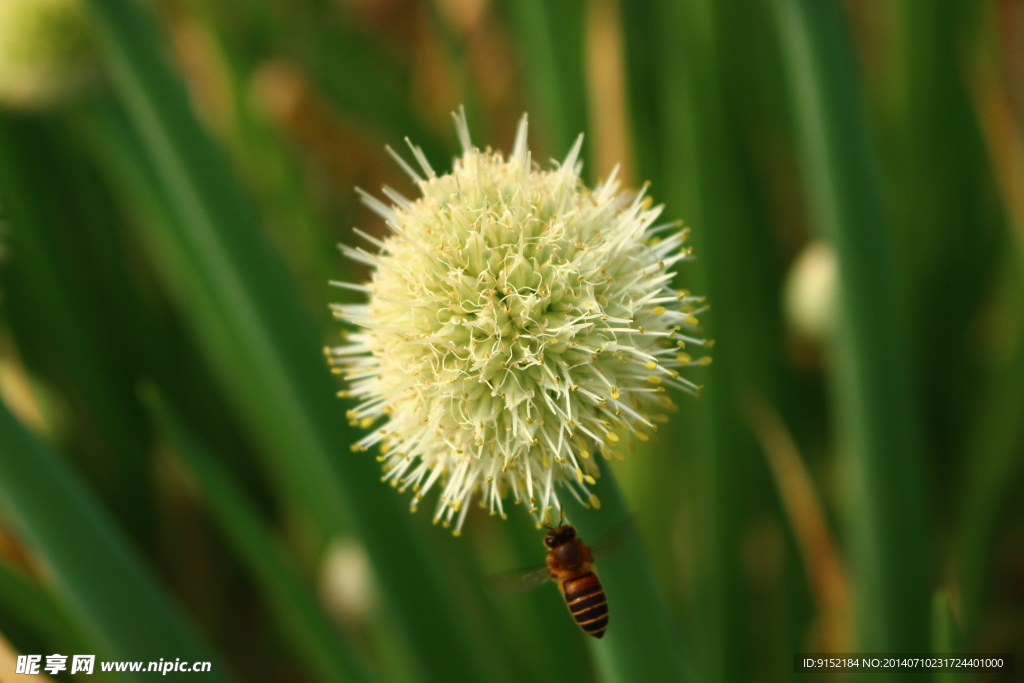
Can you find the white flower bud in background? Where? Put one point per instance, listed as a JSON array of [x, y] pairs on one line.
[[46, 52], [519, 325], [346, 583], [810, 293]]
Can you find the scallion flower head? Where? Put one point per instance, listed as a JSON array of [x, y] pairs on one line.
[[518, 325]]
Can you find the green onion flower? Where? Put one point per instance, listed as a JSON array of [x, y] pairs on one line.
[[518, 324]]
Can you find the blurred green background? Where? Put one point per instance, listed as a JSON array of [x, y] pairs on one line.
[[175, 472]]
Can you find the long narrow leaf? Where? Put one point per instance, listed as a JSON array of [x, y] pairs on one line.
[[992, 464], [102, 582], [945, 636], [244, 308], [312, 634], [550, 37], [699, 165], [878, 419], [32, 607], [642, 642], [28, 603], [60, 227]]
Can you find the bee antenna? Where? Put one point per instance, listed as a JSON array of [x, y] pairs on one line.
[[561, 516]]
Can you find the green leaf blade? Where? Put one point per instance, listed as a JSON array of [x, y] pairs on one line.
[[102, 582]]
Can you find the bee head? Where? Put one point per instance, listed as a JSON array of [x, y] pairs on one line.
[[559, 536]]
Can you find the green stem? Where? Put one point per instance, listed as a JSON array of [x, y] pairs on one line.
[[642, 642], [946, 638], [550, 36], [992, 466], [878, 426]]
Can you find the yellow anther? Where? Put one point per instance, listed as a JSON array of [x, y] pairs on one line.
[[614, 391], [579, 475], [660, 310], [650, 365], [612, 436], [684, 359], [595, 502], [706, 360], [653, 379]]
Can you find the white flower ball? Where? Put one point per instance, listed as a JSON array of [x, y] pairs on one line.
[[518, 324]]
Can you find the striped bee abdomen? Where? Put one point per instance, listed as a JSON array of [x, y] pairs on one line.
[[587, 603]]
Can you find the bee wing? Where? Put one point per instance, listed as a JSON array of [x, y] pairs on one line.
[[613, 541], [518, 580]]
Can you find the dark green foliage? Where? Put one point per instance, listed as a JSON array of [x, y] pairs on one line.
[[179, 466]]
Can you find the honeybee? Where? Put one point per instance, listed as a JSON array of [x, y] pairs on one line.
[[570, 563]]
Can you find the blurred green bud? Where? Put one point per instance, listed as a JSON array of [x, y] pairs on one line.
[[47, 52]]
